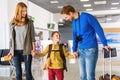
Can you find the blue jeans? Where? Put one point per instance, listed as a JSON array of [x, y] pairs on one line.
[[18, 58], [87, 63]]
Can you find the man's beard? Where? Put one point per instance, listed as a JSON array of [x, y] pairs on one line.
[[72, 19]]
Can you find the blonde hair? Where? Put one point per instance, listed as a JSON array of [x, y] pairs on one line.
[[18, 14]]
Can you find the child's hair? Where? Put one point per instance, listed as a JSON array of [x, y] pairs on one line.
[[54, 33]]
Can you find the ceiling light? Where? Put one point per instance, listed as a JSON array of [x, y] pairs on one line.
[[116, 3], [113, 8], [60, 24], [89, 9], [53, 2], [109, 19], [87, 5], [61, 20], [99, 2], [60, 7], [84, 0]]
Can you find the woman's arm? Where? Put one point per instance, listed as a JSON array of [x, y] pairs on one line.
[[33, 52], [32, 34], [10, 39]]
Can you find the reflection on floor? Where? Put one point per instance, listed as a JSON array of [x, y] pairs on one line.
[[72, 74]]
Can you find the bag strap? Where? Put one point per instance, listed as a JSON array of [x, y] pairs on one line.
[[63, 56], [49, 50]]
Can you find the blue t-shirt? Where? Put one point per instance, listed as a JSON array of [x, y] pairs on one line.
[[87, 26]]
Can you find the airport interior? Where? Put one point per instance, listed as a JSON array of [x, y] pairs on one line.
[[47, 18]]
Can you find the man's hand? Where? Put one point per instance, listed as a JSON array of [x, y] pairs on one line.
[[107, 48], [75, 54]]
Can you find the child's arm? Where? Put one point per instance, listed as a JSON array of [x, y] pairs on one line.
[[65, 52], [43, 53]]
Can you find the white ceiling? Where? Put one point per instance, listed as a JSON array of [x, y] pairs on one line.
[[80, 6]]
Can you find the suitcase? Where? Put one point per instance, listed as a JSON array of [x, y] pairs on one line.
[[108, 54]]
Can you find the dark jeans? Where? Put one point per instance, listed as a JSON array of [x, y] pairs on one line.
[[18, 58]]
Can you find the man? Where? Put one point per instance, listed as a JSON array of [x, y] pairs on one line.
[[85, 26]]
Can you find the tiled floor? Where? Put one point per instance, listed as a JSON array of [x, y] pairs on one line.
[[72, 74]]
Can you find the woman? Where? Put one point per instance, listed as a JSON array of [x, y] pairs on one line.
[[22, 41]]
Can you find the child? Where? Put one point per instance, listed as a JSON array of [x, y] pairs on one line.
[[55, 61]]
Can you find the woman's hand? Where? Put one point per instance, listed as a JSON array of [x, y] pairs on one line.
[[10, 53], [33, 53]]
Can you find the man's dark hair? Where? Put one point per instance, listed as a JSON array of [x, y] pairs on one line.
[[67, 9]]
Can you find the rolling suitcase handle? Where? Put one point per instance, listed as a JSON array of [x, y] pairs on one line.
[[110, 64], [108, 54]]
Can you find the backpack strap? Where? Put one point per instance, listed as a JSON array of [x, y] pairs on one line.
[[49, 50], [63, 56]]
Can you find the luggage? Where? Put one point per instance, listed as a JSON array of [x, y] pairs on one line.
[[108, 54], [107, 77], [4, 52], [6, 58], [112, 52]]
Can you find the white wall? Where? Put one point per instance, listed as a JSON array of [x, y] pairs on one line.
[[3, 24], [42, 18], [57, 17]]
